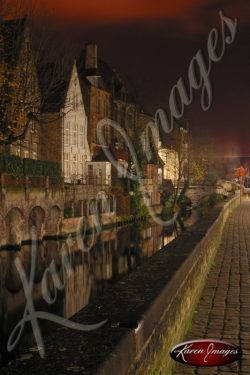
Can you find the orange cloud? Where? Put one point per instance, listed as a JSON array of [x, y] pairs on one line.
[[194, 15], [93, 11]]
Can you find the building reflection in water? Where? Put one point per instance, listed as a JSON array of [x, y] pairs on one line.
[[113, 254]]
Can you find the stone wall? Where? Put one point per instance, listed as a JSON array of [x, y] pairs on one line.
[[145, 349], [195, 193], [170, 329], [28, 201]]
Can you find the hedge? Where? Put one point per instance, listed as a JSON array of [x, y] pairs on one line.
[[12, 164], [32, 167], [1, 162]]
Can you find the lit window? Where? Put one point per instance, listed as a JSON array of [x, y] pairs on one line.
[[18, 150], [66, 138], [66, 168], [32, 127], [74, 139]]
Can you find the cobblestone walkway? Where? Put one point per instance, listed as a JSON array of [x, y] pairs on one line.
[[223, 311]]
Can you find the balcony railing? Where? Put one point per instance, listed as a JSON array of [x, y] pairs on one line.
[[89, 180]]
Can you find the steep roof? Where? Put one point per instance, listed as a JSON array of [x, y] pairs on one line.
[[54, 80], [109, 80], [12, 34], [100, 155], [172, 139]]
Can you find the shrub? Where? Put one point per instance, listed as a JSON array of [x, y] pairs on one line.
[[13, 165], [33, 167], [207, 202]]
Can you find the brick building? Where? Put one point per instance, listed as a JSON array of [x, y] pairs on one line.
[[108, 97]]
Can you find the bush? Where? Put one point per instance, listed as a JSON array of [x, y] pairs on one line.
[[207, 202], [51, 169], [33, 167], [14, 165], [1, 162]]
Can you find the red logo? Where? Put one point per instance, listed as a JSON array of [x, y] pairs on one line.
[[206, 353]]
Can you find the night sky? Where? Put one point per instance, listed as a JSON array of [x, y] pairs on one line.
[[151, 42]]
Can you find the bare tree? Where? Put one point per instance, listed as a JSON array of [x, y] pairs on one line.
[[28, 82]]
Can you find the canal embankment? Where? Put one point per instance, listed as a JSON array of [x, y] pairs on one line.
[[147, 312]]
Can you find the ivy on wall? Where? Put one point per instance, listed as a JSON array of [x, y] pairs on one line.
[[12, 164]]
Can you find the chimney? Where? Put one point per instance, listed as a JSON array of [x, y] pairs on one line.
[[91, 57]]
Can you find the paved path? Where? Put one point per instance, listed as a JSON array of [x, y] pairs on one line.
[[223, 311]]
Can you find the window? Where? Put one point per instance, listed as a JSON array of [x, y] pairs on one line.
[[90, 169], [74, 164], [32, 126], [66, 135], [74, 133], [81, 165], [100, 172], [26, 151], [66, 168], [18, 150], [74, 169], [66, 138], [81, 140], [98, 104], [74, 139], [35, 150]]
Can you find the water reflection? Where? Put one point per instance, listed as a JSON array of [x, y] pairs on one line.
[[114, 253]]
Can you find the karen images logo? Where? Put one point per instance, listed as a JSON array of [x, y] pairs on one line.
[[206, 353]]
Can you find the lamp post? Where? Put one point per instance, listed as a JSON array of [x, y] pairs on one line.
[[241, 172]]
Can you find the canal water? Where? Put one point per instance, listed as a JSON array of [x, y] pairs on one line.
[[112, 254]]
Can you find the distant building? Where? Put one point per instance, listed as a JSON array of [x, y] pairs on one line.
[[174, 152], [108, 98]]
